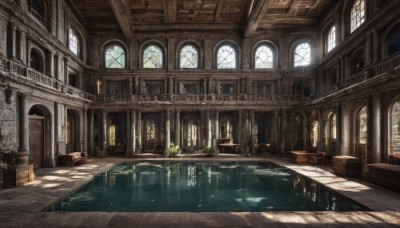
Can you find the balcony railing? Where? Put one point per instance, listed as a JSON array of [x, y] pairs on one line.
[[368, 73], [200, 98]]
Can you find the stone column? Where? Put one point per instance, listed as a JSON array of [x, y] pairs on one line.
[[338, 127], [139, 130], [128, 148], [376, 154], [275, 129], [170, 85], [346, 130], [246, 131], [132, 141], [130, 86], [240, 131], [91, 134], [23, 125], [167, 123], [376, 44], [66, 70], [22, 46], [136, 88], [85, 130], [105, 130], [216, 124], [13, 38], [178, 127], [50, 64], [208, 127], [252, 132]]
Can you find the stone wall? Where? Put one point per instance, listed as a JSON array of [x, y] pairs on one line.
[[8, 122]]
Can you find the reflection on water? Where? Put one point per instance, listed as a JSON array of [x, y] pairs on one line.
[[197, 187]]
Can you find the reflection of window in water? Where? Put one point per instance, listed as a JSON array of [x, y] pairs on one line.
[[191, 180]]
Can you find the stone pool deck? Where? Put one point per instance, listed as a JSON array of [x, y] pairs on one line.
[[23, 206]]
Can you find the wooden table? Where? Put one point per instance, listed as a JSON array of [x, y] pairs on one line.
[[299, 156], [229, 147]]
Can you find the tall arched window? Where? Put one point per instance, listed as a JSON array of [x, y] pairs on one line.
[[226, 57], [395, 128], [331, 39], [73, 41], [302, 54], [37, 9], [357, 14], [362, 126], [153, 57], [264, 57], [115, 56], [189, 57]]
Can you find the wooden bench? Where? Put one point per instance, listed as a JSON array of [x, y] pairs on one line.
[[73, 158], [384, 174]]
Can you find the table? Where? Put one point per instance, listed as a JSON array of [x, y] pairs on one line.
[[299, 156], [229, 147]]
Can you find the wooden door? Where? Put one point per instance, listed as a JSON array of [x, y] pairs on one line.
[[36, 141]]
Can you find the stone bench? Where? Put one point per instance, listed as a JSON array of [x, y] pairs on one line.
[[347, 166], [299, 156], [384, 174], [72, 159]]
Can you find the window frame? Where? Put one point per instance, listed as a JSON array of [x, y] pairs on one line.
[[293, 52], [354, 15], [331, 41], [123, 48], [235, 48], [72, 31], [273, 50], [39, 12], [195, 47], [163, 60]]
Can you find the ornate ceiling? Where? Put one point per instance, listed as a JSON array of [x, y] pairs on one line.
[[246, 16]]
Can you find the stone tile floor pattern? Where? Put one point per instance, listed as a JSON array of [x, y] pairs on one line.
[[23, 206]]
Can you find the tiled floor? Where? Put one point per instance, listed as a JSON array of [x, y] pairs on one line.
[[23, 206]]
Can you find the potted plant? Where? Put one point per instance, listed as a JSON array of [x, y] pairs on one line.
[[172, 150], [209, 151]]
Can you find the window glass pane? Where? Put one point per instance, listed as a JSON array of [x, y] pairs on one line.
[[115, 57], [152, 57], [302, 55], [73, 42], [362, 115], [331, 40], [395, 144], [357, 14], [112, 135], [315, 135], [189, 57], [226, 57], [264, 57], [151, 130]]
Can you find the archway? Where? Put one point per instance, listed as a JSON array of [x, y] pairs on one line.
[[39, 135]]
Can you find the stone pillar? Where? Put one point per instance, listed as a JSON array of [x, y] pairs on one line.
[[275, 128], [66, 70], [13, 38], [345, 148], [23, 125], [240, 131], [376, 154], [136, 88], [246, 129], [170, 85], [167, 123], [132, 141], [178, 127], [338, 128], [139, 130], [128, 149], [216, 124], [85, 130], [376, 44], [210, 85], [105, 130], [22, 46], [59, 125], [50, 64], [253, 130], [208, 53], [130, 86], [208, 127], [91, 134]]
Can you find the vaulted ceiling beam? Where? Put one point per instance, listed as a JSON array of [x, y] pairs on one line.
[[218, 11], [122, 11], [170, 11], [257, 13]]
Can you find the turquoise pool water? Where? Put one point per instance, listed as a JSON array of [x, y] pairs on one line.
[[203, 187]]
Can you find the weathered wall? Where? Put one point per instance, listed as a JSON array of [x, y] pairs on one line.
[[8, 122]]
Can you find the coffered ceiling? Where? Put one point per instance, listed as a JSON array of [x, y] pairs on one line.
[[245, 16]]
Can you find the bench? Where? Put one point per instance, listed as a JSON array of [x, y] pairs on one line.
[[72, 159], [299, 156], [347, 166], [394, 159], [384, 174]]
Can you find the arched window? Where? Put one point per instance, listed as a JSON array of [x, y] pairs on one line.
[[226, 57], [395, 128], [302, 54], [115, 56], [331, 39], [264, 57], [393, 41], [357, 14], [315, 134], [37, 9], [362, 126], [73, 41], [153, 57], [189, 57]]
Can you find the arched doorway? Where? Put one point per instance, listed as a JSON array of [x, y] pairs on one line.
[[39, 135], [73, 133], [190, 133]]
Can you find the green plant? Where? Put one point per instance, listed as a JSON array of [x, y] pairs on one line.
[[209, 150], [290, 133], [172, 150]]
